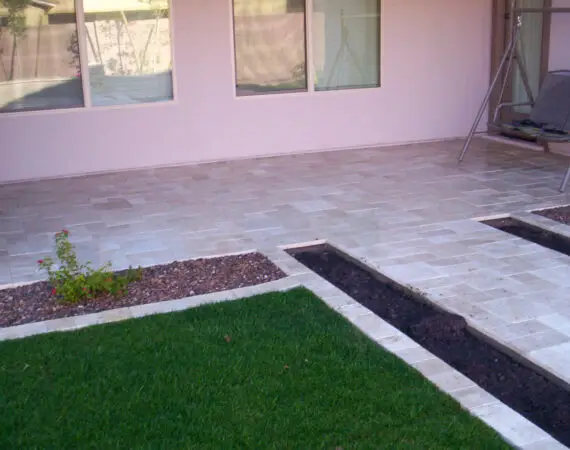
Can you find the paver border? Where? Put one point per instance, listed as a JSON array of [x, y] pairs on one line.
[[137, 311], [549, 225], [529, 217], [543, 222], [512, 426], [515, 429]]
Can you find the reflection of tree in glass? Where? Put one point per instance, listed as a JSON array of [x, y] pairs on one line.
[[159, 10], [16, 23], [16, 19], [73, 48], [125, 47], [112, 31], [299, 72]]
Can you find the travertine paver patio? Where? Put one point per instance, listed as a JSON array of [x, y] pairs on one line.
[[407, 210]]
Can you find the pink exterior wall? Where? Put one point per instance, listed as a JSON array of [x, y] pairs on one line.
[[435, 69]]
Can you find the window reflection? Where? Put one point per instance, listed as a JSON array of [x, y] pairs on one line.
[[129, 51], [39, 56], [269, 46], [346, 44]]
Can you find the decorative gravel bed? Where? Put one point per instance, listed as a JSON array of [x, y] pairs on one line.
[[34, 303], [560, 214]]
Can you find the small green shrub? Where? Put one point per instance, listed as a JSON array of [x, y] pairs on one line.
[[72, 282]]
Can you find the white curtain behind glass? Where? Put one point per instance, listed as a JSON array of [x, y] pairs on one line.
[[129, 51], [346, 43], [531, 45]]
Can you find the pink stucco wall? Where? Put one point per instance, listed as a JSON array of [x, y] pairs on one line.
[[435, 68]]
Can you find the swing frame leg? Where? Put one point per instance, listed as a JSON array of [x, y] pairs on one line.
[[505, 61], [565, 181]]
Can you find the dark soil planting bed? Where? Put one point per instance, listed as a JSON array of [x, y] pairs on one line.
[[560, 214], [34, 303], [531, 233], [449, 337]]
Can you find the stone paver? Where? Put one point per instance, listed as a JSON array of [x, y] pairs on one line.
[[406, 210], [555, 359], [474, 397], [515, 428]]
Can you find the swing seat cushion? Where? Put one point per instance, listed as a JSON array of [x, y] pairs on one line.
[[550, 116], [552, 107], [529, 131]]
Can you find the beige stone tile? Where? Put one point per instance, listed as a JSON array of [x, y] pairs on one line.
[[474, 397], [518, 309], [518, 430], [519, 330], [432, 367], [545, 444], [415, 355], [539, 341], [555, 358], [409, 210], [451, 381], [556, 321]]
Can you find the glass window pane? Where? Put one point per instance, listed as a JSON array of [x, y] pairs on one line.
[[39, 57], [346, 44], [270, 46], [531, 49], [128, 51]]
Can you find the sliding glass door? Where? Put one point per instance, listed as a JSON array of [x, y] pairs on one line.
[[534, 47], [531, 46]]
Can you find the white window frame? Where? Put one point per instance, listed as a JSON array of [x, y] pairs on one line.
[[83, 53], [85, 76], [309, 60]]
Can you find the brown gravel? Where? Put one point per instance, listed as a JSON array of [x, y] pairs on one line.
[[35, 303], [561, 214]]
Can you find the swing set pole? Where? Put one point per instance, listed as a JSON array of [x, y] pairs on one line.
[[507, 58]]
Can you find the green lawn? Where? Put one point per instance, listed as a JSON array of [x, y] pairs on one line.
[[279, 371]]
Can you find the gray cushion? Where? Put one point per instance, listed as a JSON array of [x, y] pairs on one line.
[[552, 107]]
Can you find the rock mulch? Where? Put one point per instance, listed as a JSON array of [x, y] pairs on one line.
[[35, 303], [561, 214]]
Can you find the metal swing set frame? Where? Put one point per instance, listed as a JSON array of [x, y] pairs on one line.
[[512, 56]]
